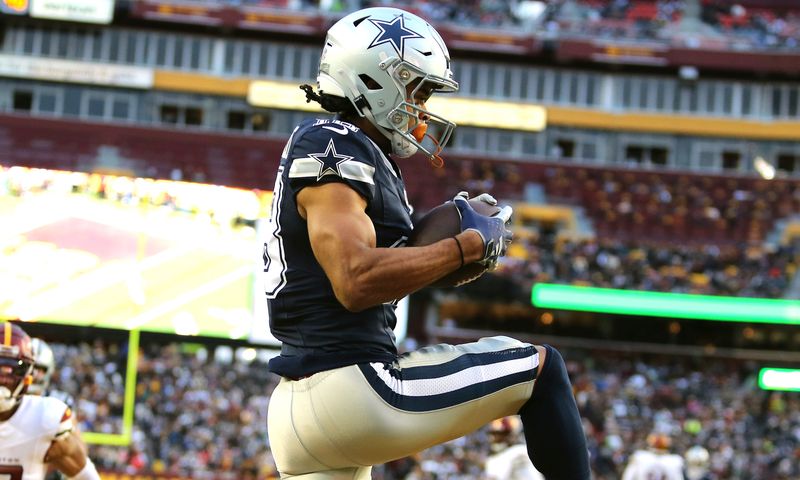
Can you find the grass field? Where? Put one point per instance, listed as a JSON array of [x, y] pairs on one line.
[[76, 259]]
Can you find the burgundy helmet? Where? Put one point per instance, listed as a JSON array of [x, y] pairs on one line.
[[16, 364]]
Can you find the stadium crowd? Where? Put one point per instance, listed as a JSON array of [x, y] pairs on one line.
[[202, 415], [196, 416], [637, 204], [755, 271], [94, 376], [655, 20]]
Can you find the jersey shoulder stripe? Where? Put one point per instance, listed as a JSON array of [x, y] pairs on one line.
[[325, 151], [66, 425]]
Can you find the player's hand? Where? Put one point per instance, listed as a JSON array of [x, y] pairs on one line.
[[496, 237]]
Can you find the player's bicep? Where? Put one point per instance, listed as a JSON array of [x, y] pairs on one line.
[[338, 227]]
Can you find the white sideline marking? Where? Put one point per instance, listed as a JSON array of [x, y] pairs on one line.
[[63, 294], [187, 297]]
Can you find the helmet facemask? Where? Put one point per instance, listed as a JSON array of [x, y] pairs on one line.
[[43, 367], [407, 124], [16, 375]]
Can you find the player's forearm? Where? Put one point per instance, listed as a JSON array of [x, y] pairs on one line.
[[88, 472], [68, 456], [381, 275]]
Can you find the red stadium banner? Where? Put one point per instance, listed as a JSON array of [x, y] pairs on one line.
[[632, 54], [245, 18], [204, 14], [490, 41], [662, 55], [255, 18], [767, 62], [608, 52]]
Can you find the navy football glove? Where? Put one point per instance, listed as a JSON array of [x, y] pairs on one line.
[[492, 230]]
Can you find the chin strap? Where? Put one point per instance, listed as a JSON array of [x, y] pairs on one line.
[[419, 133]]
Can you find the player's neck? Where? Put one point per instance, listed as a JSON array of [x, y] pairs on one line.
[[372, 132]]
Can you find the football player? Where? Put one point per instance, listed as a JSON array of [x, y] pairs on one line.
[[509, 459], [697, 463], [656, 462], [35, 431], [334, 270], [43, 368]]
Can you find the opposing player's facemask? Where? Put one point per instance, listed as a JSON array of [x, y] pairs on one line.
[[43, 367], [379, 59]]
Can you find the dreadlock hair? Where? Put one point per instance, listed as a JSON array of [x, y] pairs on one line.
[[330, 103]]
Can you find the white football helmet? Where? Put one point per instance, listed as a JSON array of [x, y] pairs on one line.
[[370, 58], [697, 462], [43, 367]]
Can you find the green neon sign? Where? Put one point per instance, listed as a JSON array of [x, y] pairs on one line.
[[669, 305], [785, 379]]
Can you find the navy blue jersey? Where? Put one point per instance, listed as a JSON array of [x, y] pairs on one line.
[[317, 332]]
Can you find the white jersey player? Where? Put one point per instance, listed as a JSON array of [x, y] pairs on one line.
[[697, 463], [35, 432], [512, 463], [655, 463], [43, 368], [510, 460]]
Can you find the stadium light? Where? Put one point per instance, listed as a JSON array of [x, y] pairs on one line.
[[784, 379], [667, 305], [764, 168]]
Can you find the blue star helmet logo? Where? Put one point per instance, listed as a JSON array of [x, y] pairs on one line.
[[394, 32], [330, 162]]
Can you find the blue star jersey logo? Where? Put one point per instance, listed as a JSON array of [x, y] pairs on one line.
[[330, 162], [394, 32]]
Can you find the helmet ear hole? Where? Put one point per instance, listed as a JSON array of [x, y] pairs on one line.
[[370, 82]]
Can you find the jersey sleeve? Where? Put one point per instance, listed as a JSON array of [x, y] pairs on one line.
[[66, 425], [332, 153], [57, 418]]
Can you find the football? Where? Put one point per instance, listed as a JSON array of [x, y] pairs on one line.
[[444, 222]]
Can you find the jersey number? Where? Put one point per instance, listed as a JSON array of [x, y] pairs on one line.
[[274, 255], [10, 472]]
